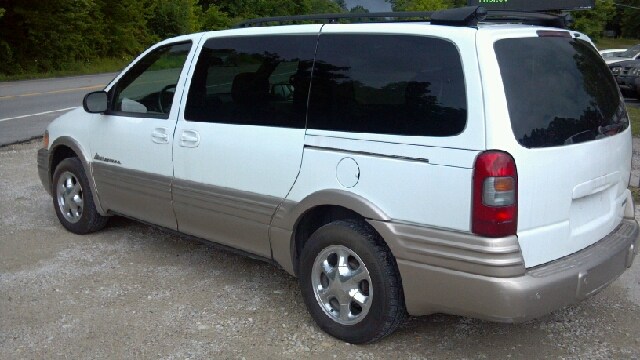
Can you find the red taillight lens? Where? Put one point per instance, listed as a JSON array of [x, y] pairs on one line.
[[495, 195]]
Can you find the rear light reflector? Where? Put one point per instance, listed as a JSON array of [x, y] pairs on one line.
[[499, 191], [495, 195]]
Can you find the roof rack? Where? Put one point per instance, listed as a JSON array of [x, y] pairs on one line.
[[465, 16]]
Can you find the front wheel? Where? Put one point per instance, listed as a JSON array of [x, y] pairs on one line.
[[350, 282], [72, 199]]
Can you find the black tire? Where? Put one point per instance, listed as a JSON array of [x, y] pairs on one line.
[[73, 200], [358, 243]]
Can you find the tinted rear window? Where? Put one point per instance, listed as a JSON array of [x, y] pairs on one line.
[[559, 91], [388, 84]]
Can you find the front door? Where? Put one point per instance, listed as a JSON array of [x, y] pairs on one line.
[[131, 151]]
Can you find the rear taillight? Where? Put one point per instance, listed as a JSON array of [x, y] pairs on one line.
[[495, 195]]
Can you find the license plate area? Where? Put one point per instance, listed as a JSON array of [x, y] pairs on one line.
[[589, 209]]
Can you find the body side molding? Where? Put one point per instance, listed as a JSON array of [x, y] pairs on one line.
[[136, 193], [204, 241]]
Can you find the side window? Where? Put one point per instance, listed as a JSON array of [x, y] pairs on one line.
[[261, 80], [148, 87], [388, 84]]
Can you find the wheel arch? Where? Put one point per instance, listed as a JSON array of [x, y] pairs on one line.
[[314, 211], [66, 147]]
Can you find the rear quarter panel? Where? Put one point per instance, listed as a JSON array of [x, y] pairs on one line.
[[415, 179], [554, 219]]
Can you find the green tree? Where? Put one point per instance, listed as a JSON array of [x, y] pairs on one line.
[[125, 26], [592, 22], [228, 12], [630, 18], [5, 50], [399, 5], [428, 5], [43, 36], [214, 19], [248, 9], [169, 18], [325, 7], [342, 4], [359, 9], [425, 5]]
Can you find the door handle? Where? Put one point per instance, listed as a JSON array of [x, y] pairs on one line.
[[189, 138], [160, 136]]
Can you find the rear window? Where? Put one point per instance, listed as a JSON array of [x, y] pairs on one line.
[[559, 91]]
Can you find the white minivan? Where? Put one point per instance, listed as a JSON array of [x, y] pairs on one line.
[[395, 168]]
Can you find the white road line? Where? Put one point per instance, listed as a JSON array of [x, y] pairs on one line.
[[38, 114]]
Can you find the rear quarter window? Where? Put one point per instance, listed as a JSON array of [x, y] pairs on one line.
[[559, 91], [387, 84]]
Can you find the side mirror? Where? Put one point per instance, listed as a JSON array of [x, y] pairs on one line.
[[95, 102]]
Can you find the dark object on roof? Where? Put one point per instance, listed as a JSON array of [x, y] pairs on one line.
[[465, 16], [534, 5], [530, 18]]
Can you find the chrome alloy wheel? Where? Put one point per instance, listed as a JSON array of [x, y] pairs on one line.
[[69, 196], [342, 284]]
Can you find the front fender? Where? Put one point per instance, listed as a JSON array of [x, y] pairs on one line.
[[85, 158]]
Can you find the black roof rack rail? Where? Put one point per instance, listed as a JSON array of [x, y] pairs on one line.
[[465, 16]]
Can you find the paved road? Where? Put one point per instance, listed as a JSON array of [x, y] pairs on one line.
[[27, 107]]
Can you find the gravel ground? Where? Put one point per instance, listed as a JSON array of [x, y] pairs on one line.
[[132, 291]]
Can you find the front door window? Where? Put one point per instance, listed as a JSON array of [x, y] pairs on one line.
[[147, 89]]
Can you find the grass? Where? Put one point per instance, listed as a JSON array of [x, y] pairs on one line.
[[78, 68], [635, 192], [619, 43]]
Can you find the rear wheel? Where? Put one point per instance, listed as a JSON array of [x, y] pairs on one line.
[[72, 199], [350, 282]]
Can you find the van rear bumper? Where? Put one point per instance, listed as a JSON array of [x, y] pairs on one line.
[[538, 291]]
